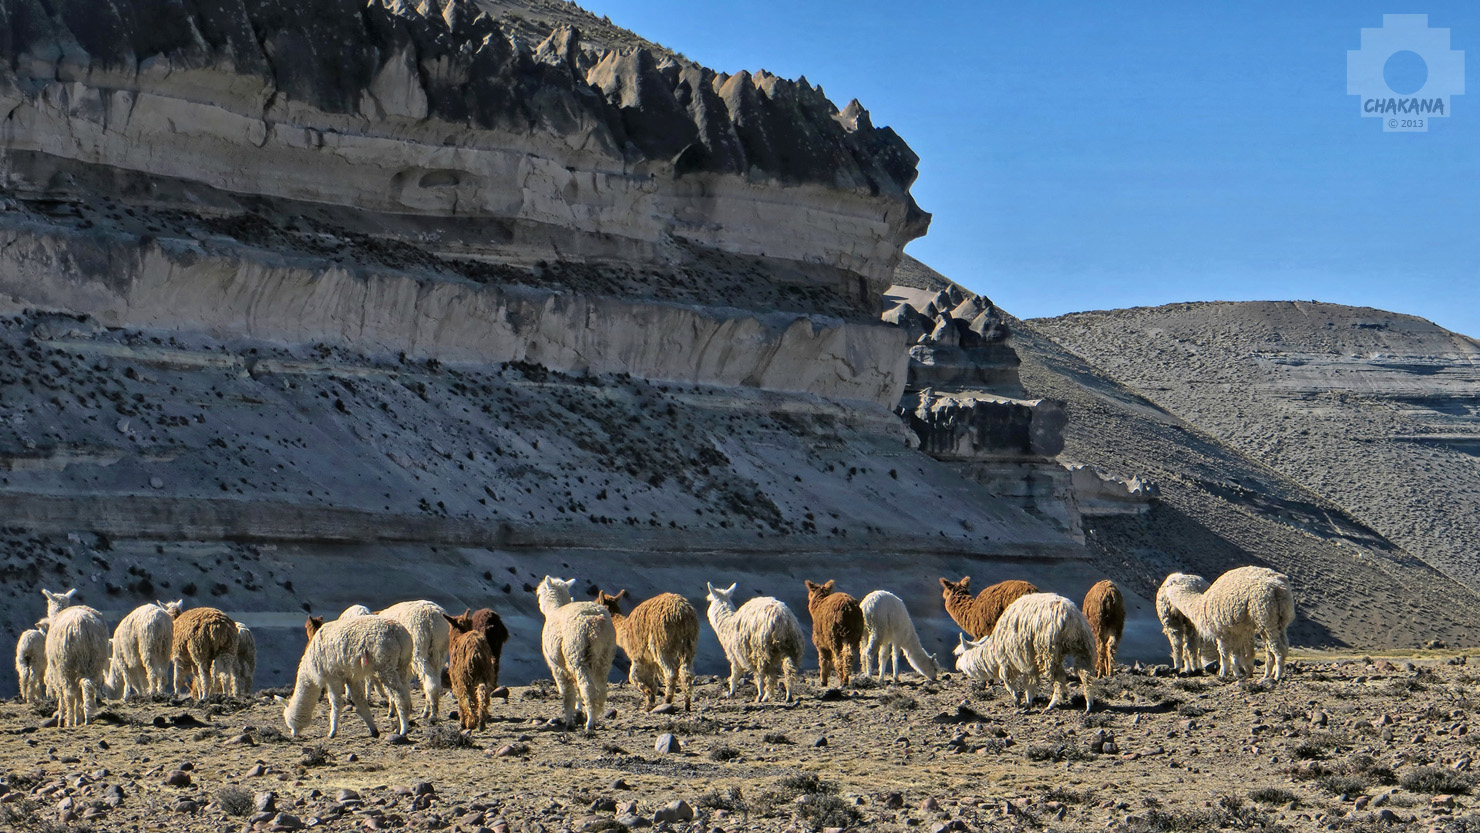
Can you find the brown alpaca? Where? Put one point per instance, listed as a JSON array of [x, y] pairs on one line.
[[837, 630], [660, 638], [978, 616], [491, 626], [1105, 609], [201, 635], [312, 625], [472, 672]]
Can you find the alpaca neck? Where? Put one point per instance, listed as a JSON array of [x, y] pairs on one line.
[[301, 705], [722, 618]]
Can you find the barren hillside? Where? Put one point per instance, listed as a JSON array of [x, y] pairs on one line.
[[1376, 412]]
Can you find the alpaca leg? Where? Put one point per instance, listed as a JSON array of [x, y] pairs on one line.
[[735, 681], [1112, 647], [567, 688], [686, 683], [398, 691], [1089, 697], [336, 704], [893, 661], [824, 665], [873, 647], [844, 659], [593, 695]]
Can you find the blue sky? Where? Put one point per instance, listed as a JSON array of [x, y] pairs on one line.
[[1091, 156]]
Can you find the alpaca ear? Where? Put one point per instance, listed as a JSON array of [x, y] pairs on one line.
[[829, 585], [732, 587], [964, 583], [279, 699], [810, 585], [70, 593], [621, 594], [945, 585]]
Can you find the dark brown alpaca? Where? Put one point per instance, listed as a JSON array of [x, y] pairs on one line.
[[837, 630]]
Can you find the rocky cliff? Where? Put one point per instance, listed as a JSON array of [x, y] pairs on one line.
[[318, 303]]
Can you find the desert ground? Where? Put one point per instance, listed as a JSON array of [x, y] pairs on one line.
[[1344, 743]]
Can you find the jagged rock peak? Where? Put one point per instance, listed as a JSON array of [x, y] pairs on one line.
[[480, 63]]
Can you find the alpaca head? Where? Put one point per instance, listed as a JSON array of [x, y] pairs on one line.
[[611, 602], [57, 601], [952, 589], [553, 593], [460, 624], [172, 608], [312, 625], [816, 592], [718, 595]]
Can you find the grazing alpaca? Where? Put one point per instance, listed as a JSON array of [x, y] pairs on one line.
[[30, 662], [978, 616], [763, 637], [472, 672], [837, 630], [1028, 646], [76, 659], [1104, 607], [1241, 604], [202, 635], [889, 629], [1189, 653], [427, 623], [141, 652], [660, 638], [342, 657], [579, 643]]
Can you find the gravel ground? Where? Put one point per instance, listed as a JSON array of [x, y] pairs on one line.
[[1352, 743]]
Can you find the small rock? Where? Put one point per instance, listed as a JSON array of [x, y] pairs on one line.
[[1442, 802], [242, 739], [832, 695], [283, 821], [667, 743], [820, 741], [633, 821], [398, 740], [257, 771], [185, 805], [929, 805], [665, 708], [156, 483], [1361, 802], [620, 784], [674, 811], [265, 802], [604, 805], [346, 794], [423, 788], [177, 778], [893, 801]]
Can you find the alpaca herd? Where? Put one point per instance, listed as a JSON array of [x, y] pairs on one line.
[[1012, 633]]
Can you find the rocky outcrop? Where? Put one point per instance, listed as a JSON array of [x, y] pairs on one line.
[[1100, 494], [440, 109]]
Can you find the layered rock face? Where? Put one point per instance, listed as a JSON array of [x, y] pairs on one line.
[[442, 109]]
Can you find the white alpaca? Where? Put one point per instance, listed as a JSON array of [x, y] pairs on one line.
[[430, 635], [341, 657], [30, 662], [1243, 603], [76, 659], [762, 637], [579, 642], [235, 672], [140, 664], [1030, 643], [57, 601], [985, 662], [354, 610], [890, 629], [1190, 653]]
